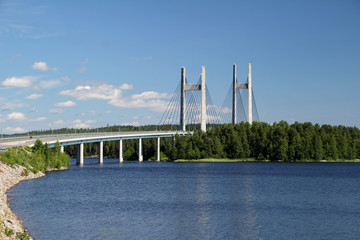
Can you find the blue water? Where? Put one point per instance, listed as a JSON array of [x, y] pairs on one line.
[[153, 200]]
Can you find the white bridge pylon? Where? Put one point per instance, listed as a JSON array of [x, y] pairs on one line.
[[187, 87], [236, 86]]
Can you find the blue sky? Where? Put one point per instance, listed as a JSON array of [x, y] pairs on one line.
[[92, 63]]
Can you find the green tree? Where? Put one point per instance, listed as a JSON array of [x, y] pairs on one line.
[[318, 148]]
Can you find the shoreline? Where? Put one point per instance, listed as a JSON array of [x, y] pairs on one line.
[[226, 160], [9, 177]]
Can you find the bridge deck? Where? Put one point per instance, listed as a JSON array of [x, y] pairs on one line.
[[69, 139]]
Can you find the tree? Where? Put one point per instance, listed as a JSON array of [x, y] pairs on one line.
[[318, 148], [333, 152], [38, 146]]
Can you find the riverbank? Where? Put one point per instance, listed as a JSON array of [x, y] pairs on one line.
[[217, 160], [10, 225], [254, 160]]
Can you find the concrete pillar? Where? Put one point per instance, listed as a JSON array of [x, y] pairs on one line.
[[250, 95], [203, 100], [121, 151], [234, 96], [80, 154], [182, 100], [140, 150], [62, 149], [77, 154], [101, 152], [158, 149]]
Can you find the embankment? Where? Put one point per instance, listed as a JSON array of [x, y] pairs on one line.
[[9, 176]]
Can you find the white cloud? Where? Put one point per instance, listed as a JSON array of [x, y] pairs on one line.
[[14, 130], [42, 66], [150, 99], [131, 123], [155, 105], [90, 121], [34, 96], [87, 92], [16, 116], [39, 119], [150, 95], [23, 82], [79, 124], [56, 110], [126, 86], [85, 61], [65, 104], [11, 105], [59, 122]]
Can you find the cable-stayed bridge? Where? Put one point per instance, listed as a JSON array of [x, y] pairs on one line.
[[190, 108]]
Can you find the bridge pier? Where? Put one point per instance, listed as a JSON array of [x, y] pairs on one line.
[[101, 152], [236, 86], [234, 100], [62, 149], [250, 95], [140, 150], [158, 149], [80, 154], [203, 100], [121, 159], [186, 87]]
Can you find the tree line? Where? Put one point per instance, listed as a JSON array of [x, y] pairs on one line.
[[280, 141], [260, 141]]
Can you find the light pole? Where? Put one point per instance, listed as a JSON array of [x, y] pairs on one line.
[[6, 109], [27, 120]]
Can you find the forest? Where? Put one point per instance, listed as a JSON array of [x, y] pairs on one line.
[[259, 141]]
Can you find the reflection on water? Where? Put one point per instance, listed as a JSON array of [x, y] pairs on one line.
[[202, 199], [192, 201], [251, 227]]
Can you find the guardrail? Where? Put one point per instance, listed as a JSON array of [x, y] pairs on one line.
[[68, 139]]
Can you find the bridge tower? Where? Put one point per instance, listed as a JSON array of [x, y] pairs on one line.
[[236, 86], [186, 87]]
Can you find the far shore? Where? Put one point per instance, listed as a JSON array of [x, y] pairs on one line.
[[227, 160]]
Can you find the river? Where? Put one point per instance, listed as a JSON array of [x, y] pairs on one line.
[[152, 200]]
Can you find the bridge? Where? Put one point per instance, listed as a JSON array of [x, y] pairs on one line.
[[80, 139], [191, 105], [183, 106]]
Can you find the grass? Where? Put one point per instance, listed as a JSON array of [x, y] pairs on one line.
[[254, 160], [218, 160]]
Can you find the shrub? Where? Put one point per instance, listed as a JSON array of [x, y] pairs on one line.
[[8, 232], [23, 236], [38, 158]]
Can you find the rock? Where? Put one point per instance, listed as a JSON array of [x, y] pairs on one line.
[[9, 177]]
